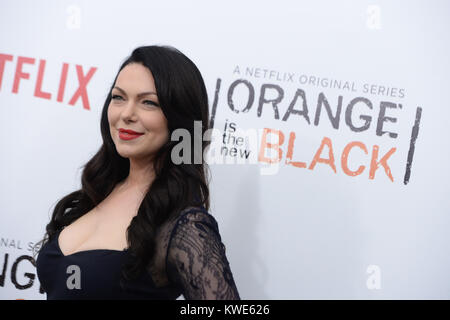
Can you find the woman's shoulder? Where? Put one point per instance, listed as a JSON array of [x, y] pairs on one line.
[[194, 224], [194, 217], [195, 213], [186, 218]]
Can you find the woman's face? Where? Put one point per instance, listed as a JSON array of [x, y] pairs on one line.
[[135, 106]]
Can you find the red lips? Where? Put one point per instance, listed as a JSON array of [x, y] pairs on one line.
[[129, 131], [127, 134]]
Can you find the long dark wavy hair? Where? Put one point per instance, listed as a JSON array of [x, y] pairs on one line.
[[183, 99]]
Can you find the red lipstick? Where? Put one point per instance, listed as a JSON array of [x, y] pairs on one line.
[[127, 134]]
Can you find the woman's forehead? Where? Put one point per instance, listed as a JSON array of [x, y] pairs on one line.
[[135, 79]]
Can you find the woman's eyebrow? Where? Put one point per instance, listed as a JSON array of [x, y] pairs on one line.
[[139, 95]]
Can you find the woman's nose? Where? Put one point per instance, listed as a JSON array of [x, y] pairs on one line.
[[129, 110]]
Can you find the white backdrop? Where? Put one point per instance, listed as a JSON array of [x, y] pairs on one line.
[[311, 232]]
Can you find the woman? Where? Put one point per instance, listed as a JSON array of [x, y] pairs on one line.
[[135, 196]]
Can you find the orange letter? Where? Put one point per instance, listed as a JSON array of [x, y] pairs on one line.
[[265, 144], [344, 158], [374, 164], [297, 164], [330, 160]]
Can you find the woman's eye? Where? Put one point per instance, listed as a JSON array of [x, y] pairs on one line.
[[147, 102], [150, 102]]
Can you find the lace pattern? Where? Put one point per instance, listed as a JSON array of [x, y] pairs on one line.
[[196, 258]]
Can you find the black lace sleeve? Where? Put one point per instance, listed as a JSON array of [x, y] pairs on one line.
[[196, 259]]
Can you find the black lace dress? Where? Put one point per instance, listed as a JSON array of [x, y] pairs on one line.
[[189, 251]]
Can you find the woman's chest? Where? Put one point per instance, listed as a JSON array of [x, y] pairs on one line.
[[103, 227]]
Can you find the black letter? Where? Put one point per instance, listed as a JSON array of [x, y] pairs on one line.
[[414, 134], [382, 118], [303, 112], [275, 101], [348, 114], [334, 120], [30, 276], [251, 95]]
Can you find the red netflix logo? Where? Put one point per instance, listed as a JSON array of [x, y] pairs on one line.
[[19, 74]]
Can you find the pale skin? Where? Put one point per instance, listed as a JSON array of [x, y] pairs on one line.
[[104, 227]]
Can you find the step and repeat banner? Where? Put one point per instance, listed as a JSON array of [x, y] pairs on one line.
[[330, 176]]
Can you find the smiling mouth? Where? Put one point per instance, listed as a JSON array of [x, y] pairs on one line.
[[128, 136], [131, 133]]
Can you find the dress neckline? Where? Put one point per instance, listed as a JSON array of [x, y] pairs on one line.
[[84, 251]]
